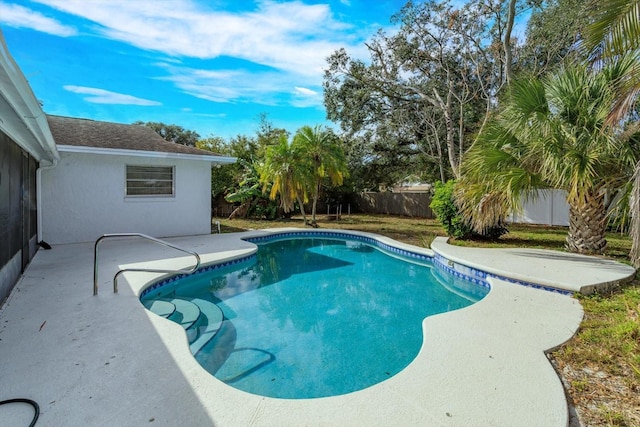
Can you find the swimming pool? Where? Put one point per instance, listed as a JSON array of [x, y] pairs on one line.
[[310, 317]]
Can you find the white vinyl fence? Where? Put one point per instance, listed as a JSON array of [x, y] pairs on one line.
[[550, 207]]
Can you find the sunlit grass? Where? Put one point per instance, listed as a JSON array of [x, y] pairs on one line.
[[547, 237], [604, 357], [610, 332]]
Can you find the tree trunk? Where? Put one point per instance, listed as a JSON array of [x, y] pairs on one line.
[[315, 203], [241, 211], [451, 129], [508, 54], [587, 224], [304, 215], [634, 208]]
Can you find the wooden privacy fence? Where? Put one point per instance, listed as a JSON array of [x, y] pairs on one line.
[[407, 204]]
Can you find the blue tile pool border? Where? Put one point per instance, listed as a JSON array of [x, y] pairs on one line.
[[480, 277], [334, 234], [210, 267], [458, 270]]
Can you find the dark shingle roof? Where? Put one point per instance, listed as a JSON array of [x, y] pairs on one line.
[[92, 133]]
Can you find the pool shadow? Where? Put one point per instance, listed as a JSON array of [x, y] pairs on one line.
[[282, 259], [273, 265], [280, 268]]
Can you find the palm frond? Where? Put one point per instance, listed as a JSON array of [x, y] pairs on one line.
[[615, 28]]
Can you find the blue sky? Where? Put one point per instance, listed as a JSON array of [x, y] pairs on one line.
[[211, 66]]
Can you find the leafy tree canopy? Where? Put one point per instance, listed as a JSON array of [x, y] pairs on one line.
[[426, 90], [553, 35], [173, 133]]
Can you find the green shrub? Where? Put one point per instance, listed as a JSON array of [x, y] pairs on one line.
[[453, 223], [447, 213]]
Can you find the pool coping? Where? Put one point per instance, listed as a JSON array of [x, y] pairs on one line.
[[537, 268], [469, 371]]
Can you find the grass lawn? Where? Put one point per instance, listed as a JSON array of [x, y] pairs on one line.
[[600, 366]]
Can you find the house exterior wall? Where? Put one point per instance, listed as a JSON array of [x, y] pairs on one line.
[[84, 197]]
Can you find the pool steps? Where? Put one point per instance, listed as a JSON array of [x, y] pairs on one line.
[[160, 307], [186, 313], [201, 319], [209, 328]]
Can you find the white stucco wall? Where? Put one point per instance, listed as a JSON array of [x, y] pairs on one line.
[[549, 208], [84, 197]]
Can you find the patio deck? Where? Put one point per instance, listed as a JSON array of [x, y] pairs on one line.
[[105, 360]]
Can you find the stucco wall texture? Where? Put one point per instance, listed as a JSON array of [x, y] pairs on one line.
[[84, 197]]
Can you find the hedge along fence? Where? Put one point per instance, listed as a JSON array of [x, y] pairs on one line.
[[407, 204]]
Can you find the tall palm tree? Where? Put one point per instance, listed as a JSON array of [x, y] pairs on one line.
[[287, 170], [614, 36], [551, 133], [323, 150]]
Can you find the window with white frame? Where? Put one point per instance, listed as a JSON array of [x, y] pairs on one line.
[[144, 181]]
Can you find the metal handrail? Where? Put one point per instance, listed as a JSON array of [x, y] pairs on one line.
[[146, 270]]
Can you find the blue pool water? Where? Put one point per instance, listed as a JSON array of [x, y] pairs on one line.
[[310, 317]]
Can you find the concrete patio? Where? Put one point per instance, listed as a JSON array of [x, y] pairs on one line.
[[105, 360]]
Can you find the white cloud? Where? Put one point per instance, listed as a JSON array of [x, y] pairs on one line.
[[304, 97], [288, 41], [101, 96], [214, 116], [306, 92], [290, 36], [17, 16], [241, 86], [217, 86]]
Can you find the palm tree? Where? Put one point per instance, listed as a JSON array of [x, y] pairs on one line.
[[551, 133], [287, 171], [615, 28], [615, 36], [323, 150]]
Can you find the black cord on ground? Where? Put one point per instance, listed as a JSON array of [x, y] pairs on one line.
[[36, 407], [44, 245]]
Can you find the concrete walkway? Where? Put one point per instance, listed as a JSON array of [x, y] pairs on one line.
[[105, 360]]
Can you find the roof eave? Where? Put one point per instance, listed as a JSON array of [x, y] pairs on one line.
[[148, 154], [22, 117]]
